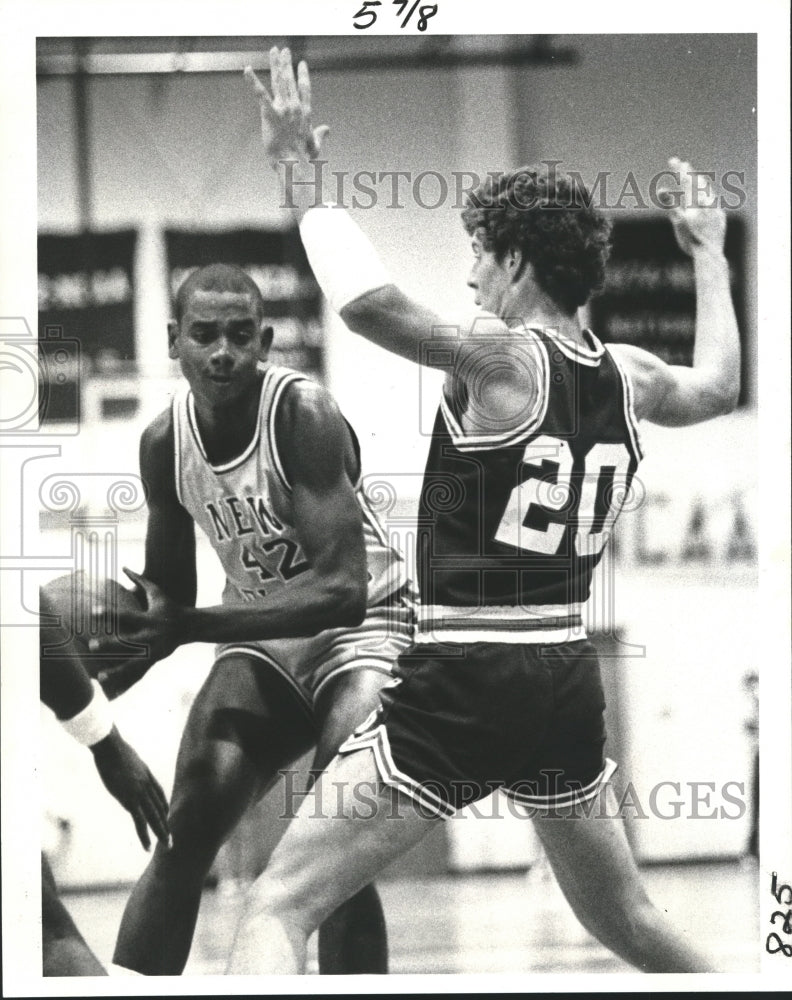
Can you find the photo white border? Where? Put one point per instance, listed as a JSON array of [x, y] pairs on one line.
[[22, 23]]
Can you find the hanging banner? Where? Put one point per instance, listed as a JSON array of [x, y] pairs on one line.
[[649, 298], [276, 261], [86, 314]]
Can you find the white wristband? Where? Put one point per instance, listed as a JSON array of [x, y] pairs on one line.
[[94, 722], [345, 263]]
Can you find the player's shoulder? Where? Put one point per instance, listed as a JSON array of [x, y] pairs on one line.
[[158, 434], [307, 404], [157, 450], [646, 375], [477, 329], [639, 366], [312, 437]]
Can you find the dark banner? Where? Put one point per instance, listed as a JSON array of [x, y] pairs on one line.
[[276, 261], [86, 314], [649, 298]]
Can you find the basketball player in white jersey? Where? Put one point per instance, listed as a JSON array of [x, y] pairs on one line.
[[314, 612], [536, 444], [81, 706]]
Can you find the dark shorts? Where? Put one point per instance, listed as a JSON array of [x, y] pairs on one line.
[[526, 718]]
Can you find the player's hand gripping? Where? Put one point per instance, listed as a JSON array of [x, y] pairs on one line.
[[157, 628], [131, 783], [286, 126], [699, 222], [119, 678]]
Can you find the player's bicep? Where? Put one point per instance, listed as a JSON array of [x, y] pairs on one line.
[[669, 395], [330, 528], [313, 441], [170, 551], [170, 531]]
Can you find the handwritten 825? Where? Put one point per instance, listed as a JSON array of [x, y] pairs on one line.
[[367, 15], [778, 944]]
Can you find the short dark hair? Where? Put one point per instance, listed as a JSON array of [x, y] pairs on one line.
[[218, 278], [550, 219]]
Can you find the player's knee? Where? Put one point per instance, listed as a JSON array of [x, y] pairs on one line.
[[624, 922], [203, 808], [282, 894], [294, 888]]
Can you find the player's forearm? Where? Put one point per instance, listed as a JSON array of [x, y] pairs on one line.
[[343, 259], [717, 348], [291, 612], [388, 318], [65, 686]]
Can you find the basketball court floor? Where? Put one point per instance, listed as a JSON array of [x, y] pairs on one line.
[[509, 922]]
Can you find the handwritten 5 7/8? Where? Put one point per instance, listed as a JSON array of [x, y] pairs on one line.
[[368, 11]]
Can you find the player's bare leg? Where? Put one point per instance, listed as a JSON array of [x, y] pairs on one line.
[[596, 871], [341, 837], [243, 727], [354, 938], [64, 950]]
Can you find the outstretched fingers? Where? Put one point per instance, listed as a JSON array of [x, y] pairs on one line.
[[289, 83], [304, 89], [276, 78], [286, 111], [266, 101]]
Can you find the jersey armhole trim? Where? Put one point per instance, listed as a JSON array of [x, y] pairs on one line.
[[176, 421], [629, 410], [289, 378], [464, 441]]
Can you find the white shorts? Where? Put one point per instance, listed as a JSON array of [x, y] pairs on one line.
[[309, 663]]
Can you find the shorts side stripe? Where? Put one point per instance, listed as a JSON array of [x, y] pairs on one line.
[[377, 740], [576, 797]]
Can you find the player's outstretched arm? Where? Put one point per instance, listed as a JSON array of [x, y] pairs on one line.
[[81, 707], [671, 394], [313, 442], [345, 263]]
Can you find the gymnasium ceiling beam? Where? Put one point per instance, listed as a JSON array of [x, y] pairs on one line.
[[437, 55]]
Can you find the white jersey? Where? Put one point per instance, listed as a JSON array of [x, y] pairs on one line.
[[244, 506]]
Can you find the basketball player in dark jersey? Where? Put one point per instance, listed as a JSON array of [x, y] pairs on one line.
[[79, 703], [534, 450], [315, 610]]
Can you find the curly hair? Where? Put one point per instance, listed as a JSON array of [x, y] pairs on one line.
[[550, 219]]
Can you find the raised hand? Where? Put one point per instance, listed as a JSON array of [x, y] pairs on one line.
[[131, 783], [699, 223], [286, 126]]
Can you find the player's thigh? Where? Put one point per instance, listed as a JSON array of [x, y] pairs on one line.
[[344, 703], [342, 836], [592, 859], [245, 724]]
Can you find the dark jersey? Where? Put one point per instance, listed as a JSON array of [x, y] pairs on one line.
[[519, 520]]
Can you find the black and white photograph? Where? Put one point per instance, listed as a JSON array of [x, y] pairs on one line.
[[395, 455]]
